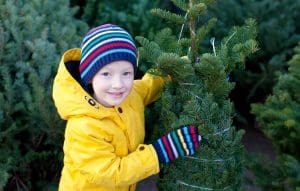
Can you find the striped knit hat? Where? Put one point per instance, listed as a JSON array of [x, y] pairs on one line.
[[102, 45]]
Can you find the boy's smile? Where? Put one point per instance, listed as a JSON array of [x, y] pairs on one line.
[[116, 94], [113, 83]]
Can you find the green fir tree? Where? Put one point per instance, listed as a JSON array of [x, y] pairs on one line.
[[278, 33], [33, 35], [198, 95], [279, 118], [129, 14]]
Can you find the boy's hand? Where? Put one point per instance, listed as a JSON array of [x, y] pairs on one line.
[[182, 142]]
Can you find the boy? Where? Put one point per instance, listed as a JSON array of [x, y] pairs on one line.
[[95, 91]]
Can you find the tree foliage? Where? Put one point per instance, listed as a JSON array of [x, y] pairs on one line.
[[198, 94], [279, 118], [132, 15], [278, 33], [32, 39]]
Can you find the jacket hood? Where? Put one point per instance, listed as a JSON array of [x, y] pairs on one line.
[[70, 98]]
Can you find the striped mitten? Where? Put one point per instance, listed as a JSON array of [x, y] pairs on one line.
[[182, 142]]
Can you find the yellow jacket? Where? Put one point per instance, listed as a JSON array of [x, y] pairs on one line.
[[103, 147]]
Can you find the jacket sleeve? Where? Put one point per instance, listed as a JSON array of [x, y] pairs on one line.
[[149, 87], [92, 158]]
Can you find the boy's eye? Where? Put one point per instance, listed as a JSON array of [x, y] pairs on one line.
[[105, 73], [127, 73]]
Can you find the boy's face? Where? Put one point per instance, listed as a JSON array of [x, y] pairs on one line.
[[113, 83]]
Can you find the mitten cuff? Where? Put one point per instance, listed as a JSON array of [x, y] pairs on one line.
[[161, 153]]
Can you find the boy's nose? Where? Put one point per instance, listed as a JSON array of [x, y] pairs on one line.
[[117, 82]]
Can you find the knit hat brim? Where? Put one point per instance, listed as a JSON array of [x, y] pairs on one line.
[[103, 60]]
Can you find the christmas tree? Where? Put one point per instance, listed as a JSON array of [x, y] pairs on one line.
[[129, 14], [32, 38], [198, 95], [278, 33], [279, 118]]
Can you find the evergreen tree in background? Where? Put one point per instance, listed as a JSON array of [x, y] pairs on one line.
[[129, 14], [278, 33], [279, 118], [198, 95], [33, 35]]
